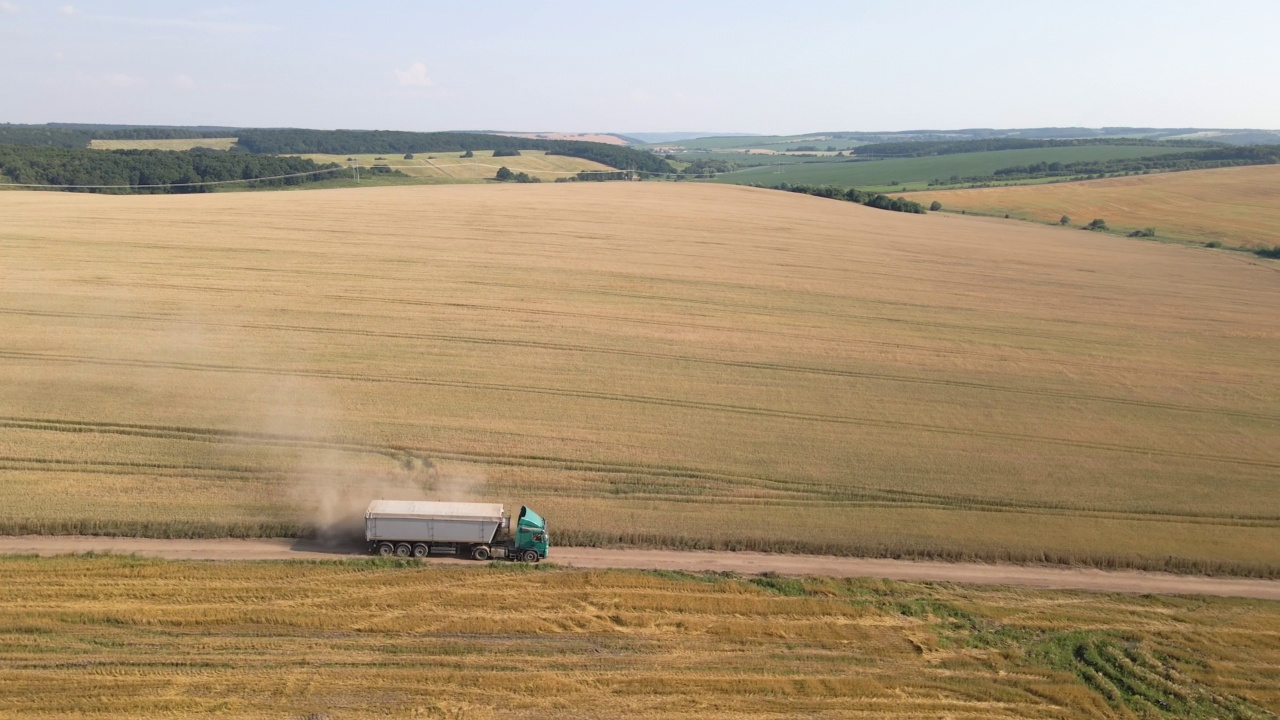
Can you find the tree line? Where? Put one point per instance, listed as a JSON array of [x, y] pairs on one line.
[[291, 141], [1197, 160], [862, 197], [1216, 157], [296, 141], [80, 136], [954, 147], [134, 168]]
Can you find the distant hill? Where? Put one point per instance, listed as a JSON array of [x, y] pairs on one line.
[[848, 140], [297, 141], [606, 138], [670, 137]]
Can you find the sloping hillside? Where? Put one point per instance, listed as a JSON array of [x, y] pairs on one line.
[[695, 366], [1233, 206]]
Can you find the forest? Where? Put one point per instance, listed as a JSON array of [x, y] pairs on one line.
[[1216, 157], [137, 168], [294, 141], [79, 136], [954, 147], [1197, 160], [290, 141]]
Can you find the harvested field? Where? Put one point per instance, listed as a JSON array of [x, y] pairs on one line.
[[1234, 206], [164, 144], [452, 167], [690, 366], [112, 636]]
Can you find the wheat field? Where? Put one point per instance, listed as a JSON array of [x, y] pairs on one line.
[[93, 637], [225, 143], [451, 167], [651, 363], [1232, 206]]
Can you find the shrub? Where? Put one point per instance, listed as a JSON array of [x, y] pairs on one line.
[[408, 156], [1213, 244], [1144, 232], [1064, 220], [506, 152], [504, 174], [1272, 253], [468, 154], [1097, 224], [935, 206]]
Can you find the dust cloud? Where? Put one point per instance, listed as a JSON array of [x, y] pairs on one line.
[[332, 489], [317, 468], [333, 478]]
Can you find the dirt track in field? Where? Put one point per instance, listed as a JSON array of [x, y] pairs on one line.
[[740, 562]]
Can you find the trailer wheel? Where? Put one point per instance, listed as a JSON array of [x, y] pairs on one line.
[[480, 552], [530, 556], [420, 550], [386, 549], [403, 550]]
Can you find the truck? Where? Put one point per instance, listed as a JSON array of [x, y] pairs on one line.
[[419, 528]]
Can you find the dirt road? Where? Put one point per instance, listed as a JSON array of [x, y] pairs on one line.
[[741, 562]]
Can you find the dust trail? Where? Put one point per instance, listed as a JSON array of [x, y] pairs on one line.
[[333, 488]]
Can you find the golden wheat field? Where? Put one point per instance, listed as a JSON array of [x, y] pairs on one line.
[[127, 637], [452, 167], [1232, 206], [165, 144], [653, 363]]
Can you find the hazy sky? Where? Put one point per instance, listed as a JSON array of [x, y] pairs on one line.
[[769, 67]]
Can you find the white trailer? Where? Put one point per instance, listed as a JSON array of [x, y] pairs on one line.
[[480, 530]]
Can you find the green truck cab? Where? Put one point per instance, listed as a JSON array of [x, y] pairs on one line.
[[531, 533]]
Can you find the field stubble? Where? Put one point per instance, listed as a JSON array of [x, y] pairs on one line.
[[691, 366], [1231, 206], [115, 636], [222, 143], [454, 168]]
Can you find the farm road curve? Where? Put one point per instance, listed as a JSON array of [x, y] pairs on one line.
[[1121, 581]]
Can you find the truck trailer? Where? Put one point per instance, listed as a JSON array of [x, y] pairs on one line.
[[415, 528]]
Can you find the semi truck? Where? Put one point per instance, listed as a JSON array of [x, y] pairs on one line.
[[416, 528]]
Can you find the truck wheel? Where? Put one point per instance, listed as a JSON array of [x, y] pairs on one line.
[[530, 556], [385, 549], [480, 552], [403, 550], [420, 550]]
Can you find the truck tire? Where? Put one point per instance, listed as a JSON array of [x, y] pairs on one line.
[[420, 550], [530, 556], [480, 552], [403, 550], [386, 549]]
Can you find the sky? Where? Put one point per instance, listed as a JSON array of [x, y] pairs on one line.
[[654, 66]]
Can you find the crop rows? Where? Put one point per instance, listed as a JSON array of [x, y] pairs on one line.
[[684, 366]]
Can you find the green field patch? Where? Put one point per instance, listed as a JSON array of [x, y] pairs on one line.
[[917, 173]]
